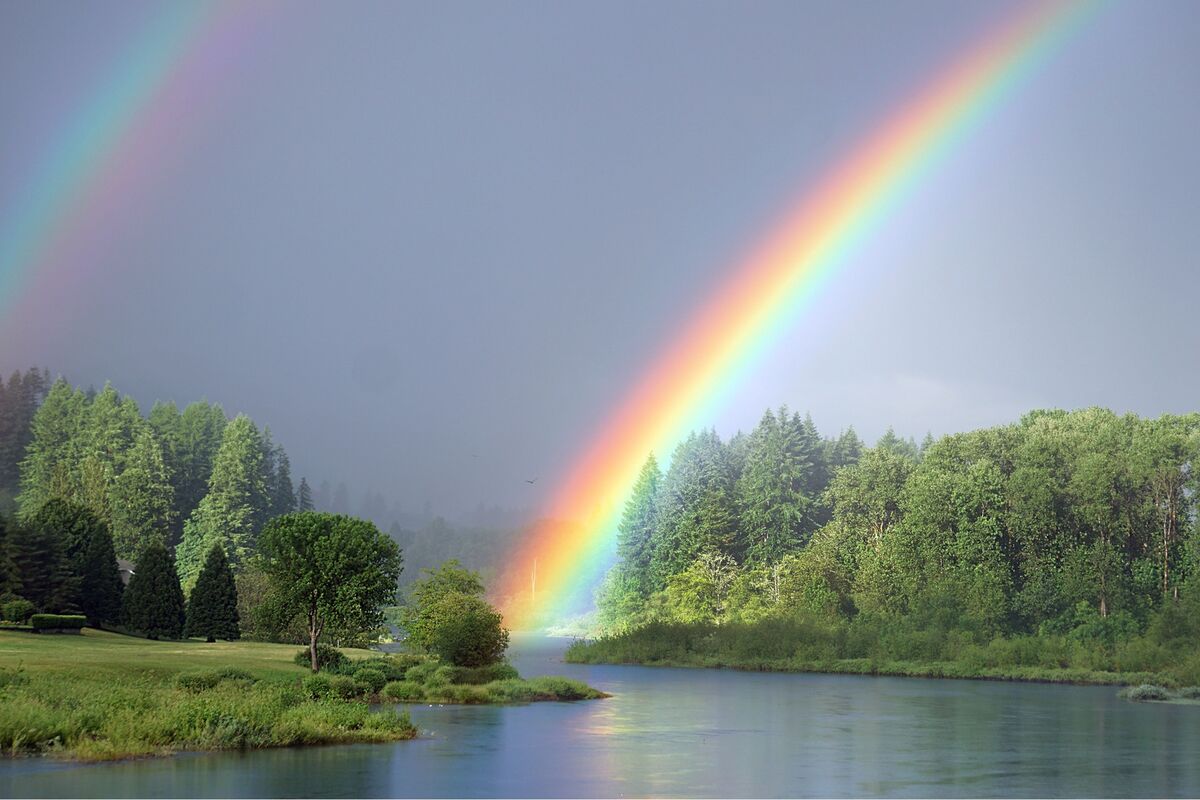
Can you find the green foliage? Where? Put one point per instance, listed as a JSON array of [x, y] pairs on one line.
[[464, 630], [212, 608], [636, 529], [100, 586], [421, 673], [304, 498], [153, 602], [403, 691], [45, 552], [143, 498], [198, 681], [373, 679], [1145, 692], [19, 610], [328, 658], [336, 572], [235, 506], [426, 592], [318, 686], [344, 686], [45, 622]]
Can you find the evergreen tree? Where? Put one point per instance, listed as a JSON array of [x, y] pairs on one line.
[[283, 495], [100, 586], [696, 507], [201, 429], [19, 401], [10, 579], [775, 511], [143, 499], [231, 513], [636, 530], [212, 608], [846, 449], [39, 554], [49, 468], [304, 497], [153, 603]]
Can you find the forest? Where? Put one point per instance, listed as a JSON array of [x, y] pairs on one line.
[[1074, 532]]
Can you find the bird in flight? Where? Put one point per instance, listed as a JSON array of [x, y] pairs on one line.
[[531, 482]]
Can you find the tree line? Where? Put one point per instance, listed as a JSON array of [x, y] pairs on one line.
[[1061, 522]]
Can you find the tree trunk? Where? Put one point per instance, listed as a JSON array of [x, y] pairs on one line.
[[312, 646]]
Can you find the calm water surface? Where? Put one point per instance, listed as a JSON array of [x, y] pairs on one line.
[[672, 732]]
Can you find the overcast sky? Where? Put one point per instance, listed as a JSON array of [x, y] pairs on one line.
[[431, 245]]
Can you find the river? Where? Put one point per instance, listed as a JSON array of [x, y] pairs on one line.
[[707, 733]]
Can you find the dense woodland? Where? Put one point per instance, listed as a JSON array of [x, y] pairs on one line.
[[1065, 524]]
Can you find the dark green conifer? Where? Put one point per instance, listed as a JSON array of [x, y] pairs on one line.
[[153, 602], [100, 586], [212, 608], [304, 498]]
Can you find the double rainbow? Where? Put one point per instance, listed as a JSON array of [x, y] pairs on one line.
[[559, 562]]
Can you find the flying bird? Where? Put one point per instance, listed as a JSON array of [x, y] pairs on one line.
[[531, 482]]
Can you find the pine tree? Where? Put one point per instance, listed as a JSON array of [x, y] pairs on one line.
[[773, 504], [39, 553], [304, 497], [283, 495], [636, 529], [100, 586], [153, 602], [143, 499], [49, 468], [231, 513], [10, 579], [212, 608], [202, 427]]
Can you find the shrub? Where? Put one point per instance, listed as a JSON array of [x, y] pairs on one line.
[[1145, 692], [234, 674], [403, 690], [465, 630], [44, 622], [318, 686], [392, 667], [373, 679], [1189, 693], [19, 610], [344, 686], [196, 681], [442, 676], [328, 658], [478, 676], [421, 672]]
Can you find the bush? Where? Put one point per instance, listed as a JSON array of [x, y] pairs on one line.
[[421, 672], [392, 667], [403, 690], [328, 658], [466, 631], [1145, 692], [1189, 693], [317, 686], [44, 622], [344, 686], [196, 681], [19, 610], [373, 679]]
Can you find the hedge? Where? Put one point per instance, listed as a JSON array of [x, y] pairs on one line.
[[50, 622]]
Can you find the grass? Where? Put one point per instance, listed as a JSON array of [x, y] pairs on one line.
[[104, 696], [1149, 693], [804, 645]]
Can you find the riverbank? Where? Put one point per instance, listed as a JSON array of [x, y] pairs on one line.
[[104, 696], [785, 646]]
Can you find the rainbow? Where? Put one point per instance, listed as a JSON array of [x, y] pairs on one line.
[[143, 108], [705, 362]]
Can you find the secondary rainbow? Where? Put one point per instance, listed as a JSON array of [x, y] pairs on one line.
[[695, 372], [118, 140]]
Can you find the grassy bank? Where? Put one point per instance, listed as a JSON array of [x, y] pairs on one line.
[[818, 646], [104, 696]]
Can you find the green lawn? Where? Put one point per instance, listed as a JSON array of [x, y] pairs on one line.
[[100, 652], [103, 695]]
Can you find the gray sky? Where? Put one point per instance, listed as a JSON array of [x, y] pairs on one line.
[[406, 235]]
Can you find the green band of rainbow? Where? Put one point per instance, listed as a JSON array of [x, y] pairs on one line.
[[707, 360]]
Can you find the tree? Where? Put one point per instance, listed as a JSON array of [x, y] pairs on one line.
[[466, 631], [304, 497], [153, 603], [201, 431], [234, 508], [100, 587], [49, 467], [212, 610], [427, 591], [775, 511], [283, 496], [636, 530], [143, 499], [334, 570], [48, 551]]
